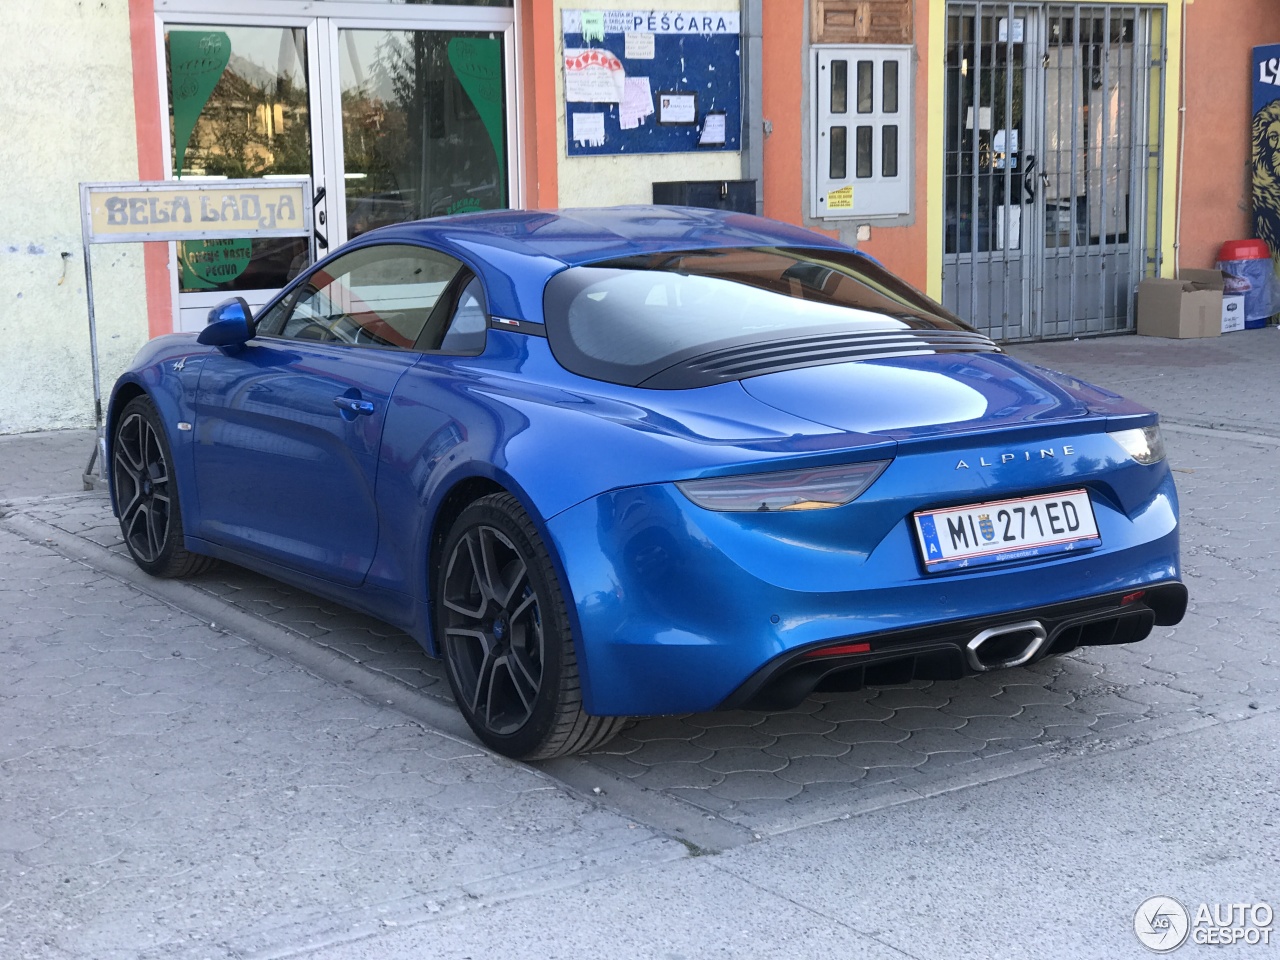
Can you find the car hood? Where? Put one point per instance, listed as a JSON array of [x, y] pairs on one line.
[[906, 398]]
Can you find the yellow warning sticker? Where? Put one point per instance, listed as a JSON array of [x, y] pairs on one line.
[[841, 199]]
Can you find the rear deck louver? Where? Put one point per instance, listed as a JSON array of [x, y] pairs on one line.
[[753, 360]]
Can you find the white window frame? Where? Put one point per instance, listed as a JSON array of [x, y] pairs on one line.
[[874, 196]]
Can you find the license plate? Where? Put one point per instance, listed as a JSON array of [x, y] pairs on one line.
[[983, 533]]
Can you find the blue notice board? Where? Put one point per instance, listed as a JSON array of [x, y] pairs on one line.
[[652, 81]]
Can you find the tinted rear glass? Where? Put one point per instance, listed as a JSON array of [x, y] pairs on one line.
[[628, 320]]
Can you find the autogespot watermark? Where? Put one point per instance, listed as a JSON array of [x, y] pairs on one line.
[[1164, 924]]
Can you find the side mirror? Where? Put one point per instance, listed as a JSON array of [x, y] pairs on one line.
[[230, 325]]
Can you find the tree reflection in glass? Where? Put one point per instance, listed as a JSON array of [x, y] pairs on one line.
[[423, 125]]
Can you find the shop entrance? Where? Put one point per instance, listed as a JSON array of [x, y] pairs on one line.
[[1054, 117], [400, 113]]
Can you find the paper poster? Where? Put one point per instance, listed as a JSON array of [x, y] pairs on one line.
[[677, 107], [593, 76], [588, 129], [984, 118], [1008, 238], [1004, 149], [593, 25], [1019, 26], [637, 103], [713, 130], [840, 198], [638, 46]]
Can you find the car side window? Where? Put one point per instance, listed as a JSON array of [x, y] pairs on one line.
[[465, 333], [272, 319], [379, 296]]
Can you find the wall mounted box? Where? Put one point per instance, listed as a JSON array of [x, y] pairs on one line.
[[1190, 306], [736, 195]]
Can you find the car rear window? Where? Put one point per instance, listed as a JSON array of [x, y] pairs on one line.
[[686, 319]]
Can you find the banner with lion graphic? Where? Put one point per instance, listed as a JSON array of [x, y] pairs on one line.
[[1266, 150]]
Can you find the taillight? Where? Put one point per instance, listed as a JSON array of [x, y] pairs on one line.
[[839, 650], [1145, 444], [811, 488]]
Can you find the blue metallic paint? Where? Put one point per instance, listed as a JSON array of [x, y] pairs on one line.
[[673, 606]]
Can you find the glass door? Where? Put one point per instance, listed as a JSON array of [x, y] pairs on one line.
[[1096, 143], [1052, 154], [422, 123], [241, 105], [399, 116]]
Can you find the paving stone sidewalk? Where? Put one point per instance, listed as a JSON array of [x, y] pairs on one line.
[[771, 772], [167, 790], [1225, 382]]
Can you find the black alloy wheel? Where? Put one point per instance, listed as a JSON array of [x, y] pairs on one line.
[[503, 630], [146, 494]]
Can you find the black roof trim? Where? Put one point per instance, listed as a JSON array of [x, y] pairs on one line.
[[745, 360]]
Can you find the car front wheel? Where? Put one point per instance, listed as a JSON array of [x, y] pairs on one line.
[[146, 494], [503, 629]]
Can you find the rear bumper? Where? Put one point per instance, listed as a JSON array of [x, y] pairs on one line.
[[944, 651], [677, 609]]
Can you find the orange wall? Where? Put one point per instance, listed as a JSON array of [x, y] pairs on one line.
[[1216, 190], [537, 76], [901, 248], [150, 134], [782, 46]]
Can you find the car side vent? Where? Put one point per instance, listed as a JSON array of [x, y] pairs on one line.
[[755, 359]]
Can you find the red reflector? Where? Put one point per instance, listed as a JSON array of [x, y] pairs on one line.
[[1130, 598], [840, 651]]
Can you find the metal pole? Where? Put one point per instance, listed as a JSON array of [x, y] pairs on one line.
[[1077, 154], [1008, 251], [100, 445], [974, 154], [1106, 255], [753, 67]]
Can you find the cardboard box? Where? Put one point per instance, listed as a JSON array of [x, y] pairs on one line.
[[1190, 306], [1232, 312]]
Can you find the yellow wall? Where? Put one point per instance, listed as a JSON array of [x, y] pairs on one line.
[[67, 104]]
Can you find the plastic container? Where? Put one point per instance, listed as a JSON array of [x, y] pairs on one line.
[[1249, 271]]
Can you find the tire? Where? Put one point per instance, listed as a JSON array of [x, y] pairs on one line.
[[146, 494], [504, 633]]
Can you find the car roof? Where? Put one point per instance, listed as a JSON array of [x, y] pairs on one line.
[[517, 251], [588, 234]]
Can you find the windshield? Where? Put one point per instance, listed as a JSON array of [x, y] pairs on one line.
[[630, 319]]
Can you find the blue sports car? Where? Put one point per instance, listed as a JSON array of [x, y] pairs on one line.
[[620, 462]]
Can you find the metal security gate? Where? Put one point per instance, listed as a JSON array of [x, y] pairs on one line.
[[1054, 117]]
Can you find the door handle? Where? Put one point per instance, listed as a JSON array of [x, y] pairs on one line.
[[1029, 178], [354, 405], [321, 239]]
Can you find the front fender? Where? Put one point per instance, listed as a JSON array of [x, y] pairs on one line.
[[166, 369]]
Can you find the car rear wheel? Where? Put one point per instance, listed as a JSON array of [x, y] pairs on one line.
[[146, 494], [504, 631]]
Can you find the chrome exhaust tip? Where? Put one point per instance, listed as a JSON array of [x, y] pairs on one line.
[[1008, 646]]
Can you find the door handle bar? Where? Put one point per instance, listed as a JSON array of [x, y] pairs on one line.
[[352, 405]]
